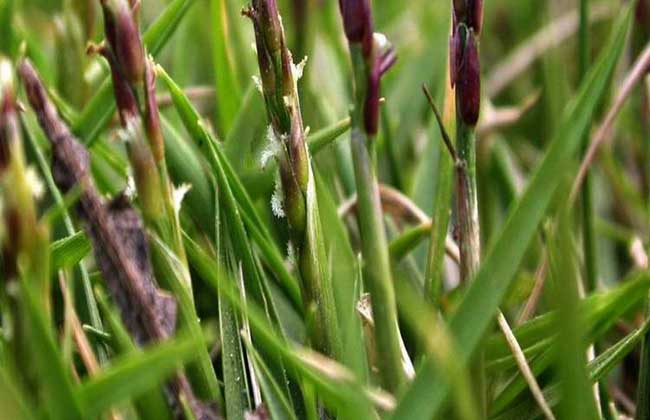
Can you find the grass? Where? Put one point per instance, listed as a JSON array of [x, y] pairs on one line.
[[193, 228]]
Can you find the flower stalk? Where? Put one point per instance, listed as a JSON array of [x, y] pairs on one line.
[[371, 57], [279, 87], [134, 86], [466, 79]]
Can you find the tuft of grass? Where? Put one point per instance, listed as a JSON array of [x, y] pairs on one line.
[[206, 215]]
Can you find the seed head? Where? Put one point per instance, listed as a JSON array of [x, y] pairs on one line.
[[270, 25], [466, 74], [47, 114], [124, 38], [127, 107], [357, 23], [275, 64]]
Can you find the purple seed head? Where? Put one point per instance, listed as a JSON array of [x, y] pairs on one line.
[[124, 38], [48, 116], [357, 22], [468, 81], [127, 107], [271, 28]]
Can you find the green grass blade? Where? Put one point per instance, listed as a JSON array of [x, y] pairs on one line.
[[277, 402], [60, 399], [234, 376], [171, 275], [186, 166], [322, 138], [238, 206], [67, 252], [151, 404], [600, 310], [408, 240], [345, 281], [434, 336], [340, 388], [133, 374], [232, 359], [226, 82], [598, 370], [577, 397], [600, 313], [7, 27], [11, 401], [440, 216]]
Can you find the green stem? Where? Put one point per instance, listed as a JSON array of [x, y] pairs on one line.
[[586, 198], [643, 387], [467, 202], [469, 242], [376, 265], [588, 227]]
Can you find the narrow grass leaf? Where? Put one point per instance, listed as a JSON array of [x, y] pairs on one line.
[[339, 388], [236, 202], [133, 374], [225, 71], [171, 275], [60, 399], [12, 402], [276, 401], [150, 404], [67, 252]]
